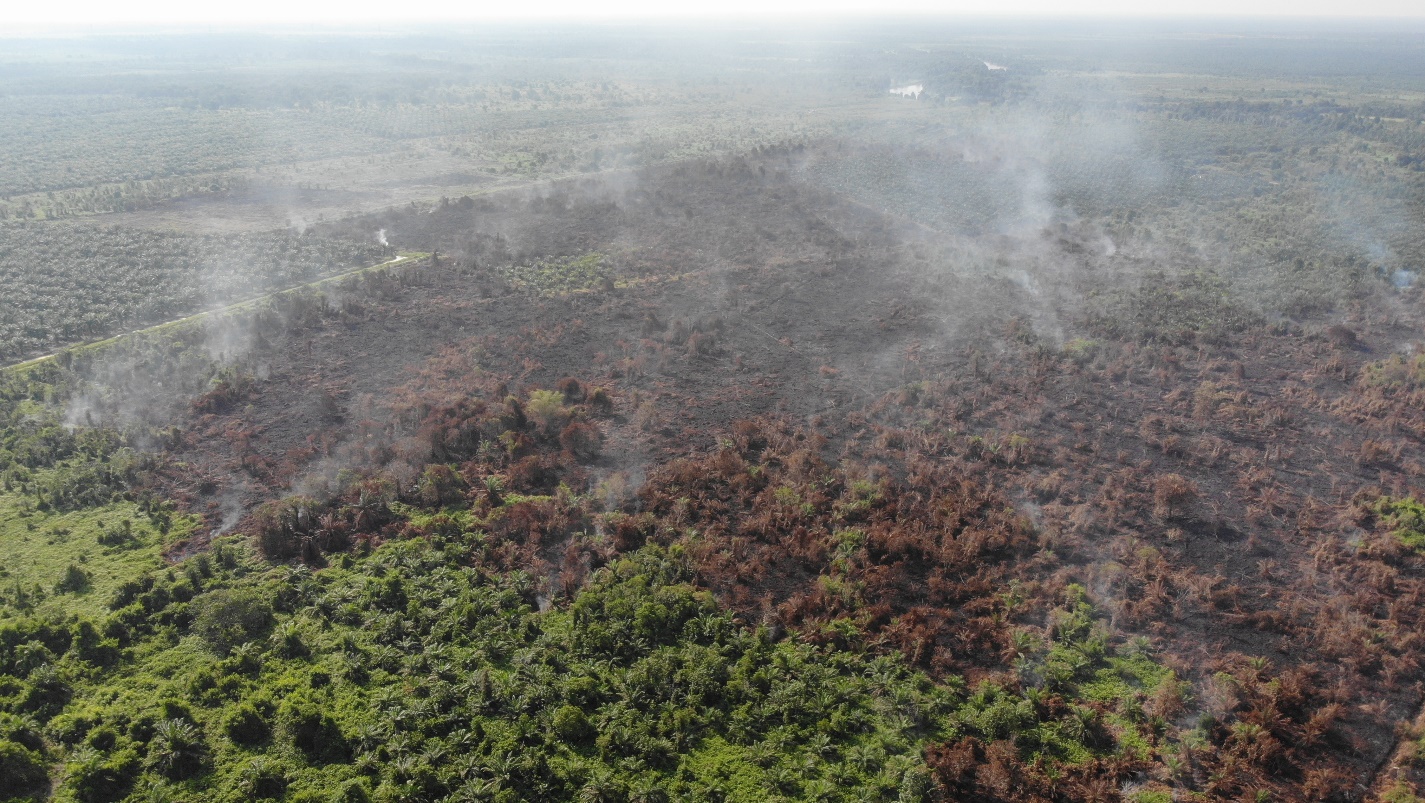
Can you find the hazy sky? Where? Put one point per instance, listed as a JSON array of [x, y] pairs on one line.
[[26, 13]]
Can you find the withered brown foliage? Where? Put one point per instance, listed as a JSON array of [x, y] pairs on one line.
[[1211, 488]]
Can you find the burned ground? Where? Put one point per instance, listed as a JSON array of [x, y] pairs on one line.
[[780, 392], [733, 430]]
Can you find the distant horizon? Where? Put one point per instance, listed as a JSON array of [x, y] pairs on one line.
[[13, 30], [169, 16]]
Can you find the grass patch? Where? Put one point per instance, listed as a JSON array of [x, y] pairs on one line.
[[95, 550], [730, 769]]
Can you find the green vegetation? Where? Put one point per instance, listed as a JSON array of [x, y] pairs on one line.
[[421, 670], [1396, 372], [1401, 792], [1122, 682], [408, 674], [558, 275], [84, 555], [71, 531], [1405, 518]]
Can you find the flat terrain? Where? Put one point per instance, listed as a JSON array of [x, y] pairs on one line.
[[1064, 423]]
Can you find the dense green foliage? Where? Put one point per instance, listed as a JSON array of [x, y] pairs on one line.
[[410, 674], [408, 677]]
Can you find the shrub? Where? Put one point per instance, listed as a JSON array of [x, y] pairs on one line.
[[1402, 792], [440, 486], [225, 619], [600, 401], [48, 691], [546, 408], [225, 392], [88, 645], [21, 770], [1396, 372], [262, 780], [281, 526], [1405, 518], [102, 738], [355, 790], [311, 730], [581, 440], [572, 390], [96, 777], [74, 581], [245, 726], [121, 534], [571, 725]]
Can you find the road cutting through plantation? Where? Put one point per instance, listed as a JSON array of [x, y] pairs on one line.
[[238, 306]]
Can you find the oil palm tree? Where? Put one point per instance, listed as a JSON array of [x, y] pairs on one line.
[[177, 749]]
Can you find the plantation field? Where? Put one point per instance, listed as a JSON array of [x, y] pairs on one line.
[[75, 284], [651, 414]]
